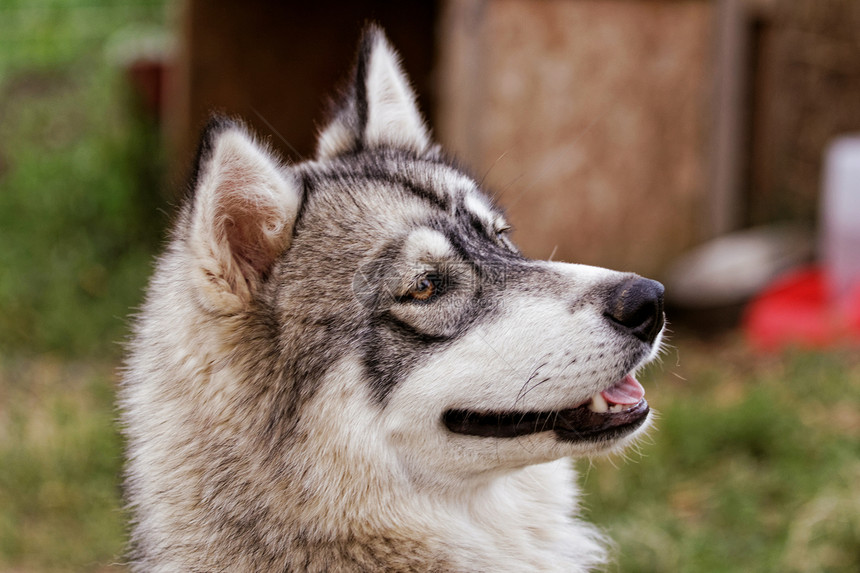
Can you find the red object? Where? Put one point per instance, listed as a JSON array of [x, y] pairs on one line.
[[797, 311]]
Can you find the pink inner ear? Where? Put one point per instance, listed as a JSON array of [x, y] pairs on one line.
[[253, 235]]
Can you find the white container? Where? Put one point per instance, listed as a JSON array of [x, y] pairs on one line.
[[840, 218]]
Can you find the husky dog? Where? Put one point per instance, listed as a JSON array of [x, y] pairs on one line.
[[346, 365]]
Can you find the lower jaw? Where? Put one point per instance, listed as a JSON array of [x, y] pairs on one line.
[[632, 420]]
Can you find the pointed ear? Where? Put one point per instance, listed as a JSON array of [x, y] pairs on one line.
[[244, 208], [379, 108]]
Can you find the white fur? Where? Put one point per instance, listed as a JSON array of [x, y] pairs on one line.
[[393, 117]]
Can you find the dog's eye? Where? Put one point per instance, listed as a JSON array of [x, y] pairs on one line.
[[426, 288], [423, 290]]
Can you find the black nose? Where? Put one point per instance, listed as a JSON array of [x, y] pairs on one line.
[[636, 305]]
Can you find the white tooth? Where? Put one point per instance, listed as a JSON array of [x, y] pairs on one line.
[[616, 408], [598, 404]]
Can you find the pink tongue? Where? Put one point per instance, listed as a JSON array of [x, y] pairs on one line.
[[627, 391]]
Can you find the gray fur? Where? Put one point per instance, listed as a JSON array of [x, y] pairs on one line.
[[285, 388]]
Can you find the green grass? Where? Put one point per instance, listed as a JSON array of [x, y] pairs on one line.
[[78, 177], [754, 466], [79, 191], [60, 458]]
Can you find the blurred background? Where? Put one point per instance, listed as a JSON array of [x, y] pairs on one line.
[[710, 144]]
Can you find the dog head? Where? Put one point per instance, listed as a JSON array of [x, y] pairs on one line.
[[381, 267]]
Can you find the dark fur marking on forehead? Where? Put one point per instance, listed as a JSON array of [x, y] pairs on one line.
[[443, 202], [483, 227], [369, 174], [466, 255]]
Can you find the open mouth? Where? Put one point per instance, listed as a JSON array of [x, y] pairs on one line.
[[609, 414]]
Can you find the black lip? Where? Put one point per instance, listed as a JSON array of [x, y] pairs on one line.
[[572, 425]]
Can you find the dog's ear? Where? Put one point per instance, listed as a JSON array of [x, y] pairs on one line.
[[379, 108], [242, 214]]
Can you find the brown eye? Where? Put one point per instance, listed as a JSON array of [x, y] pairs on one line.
[[425, 289]]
